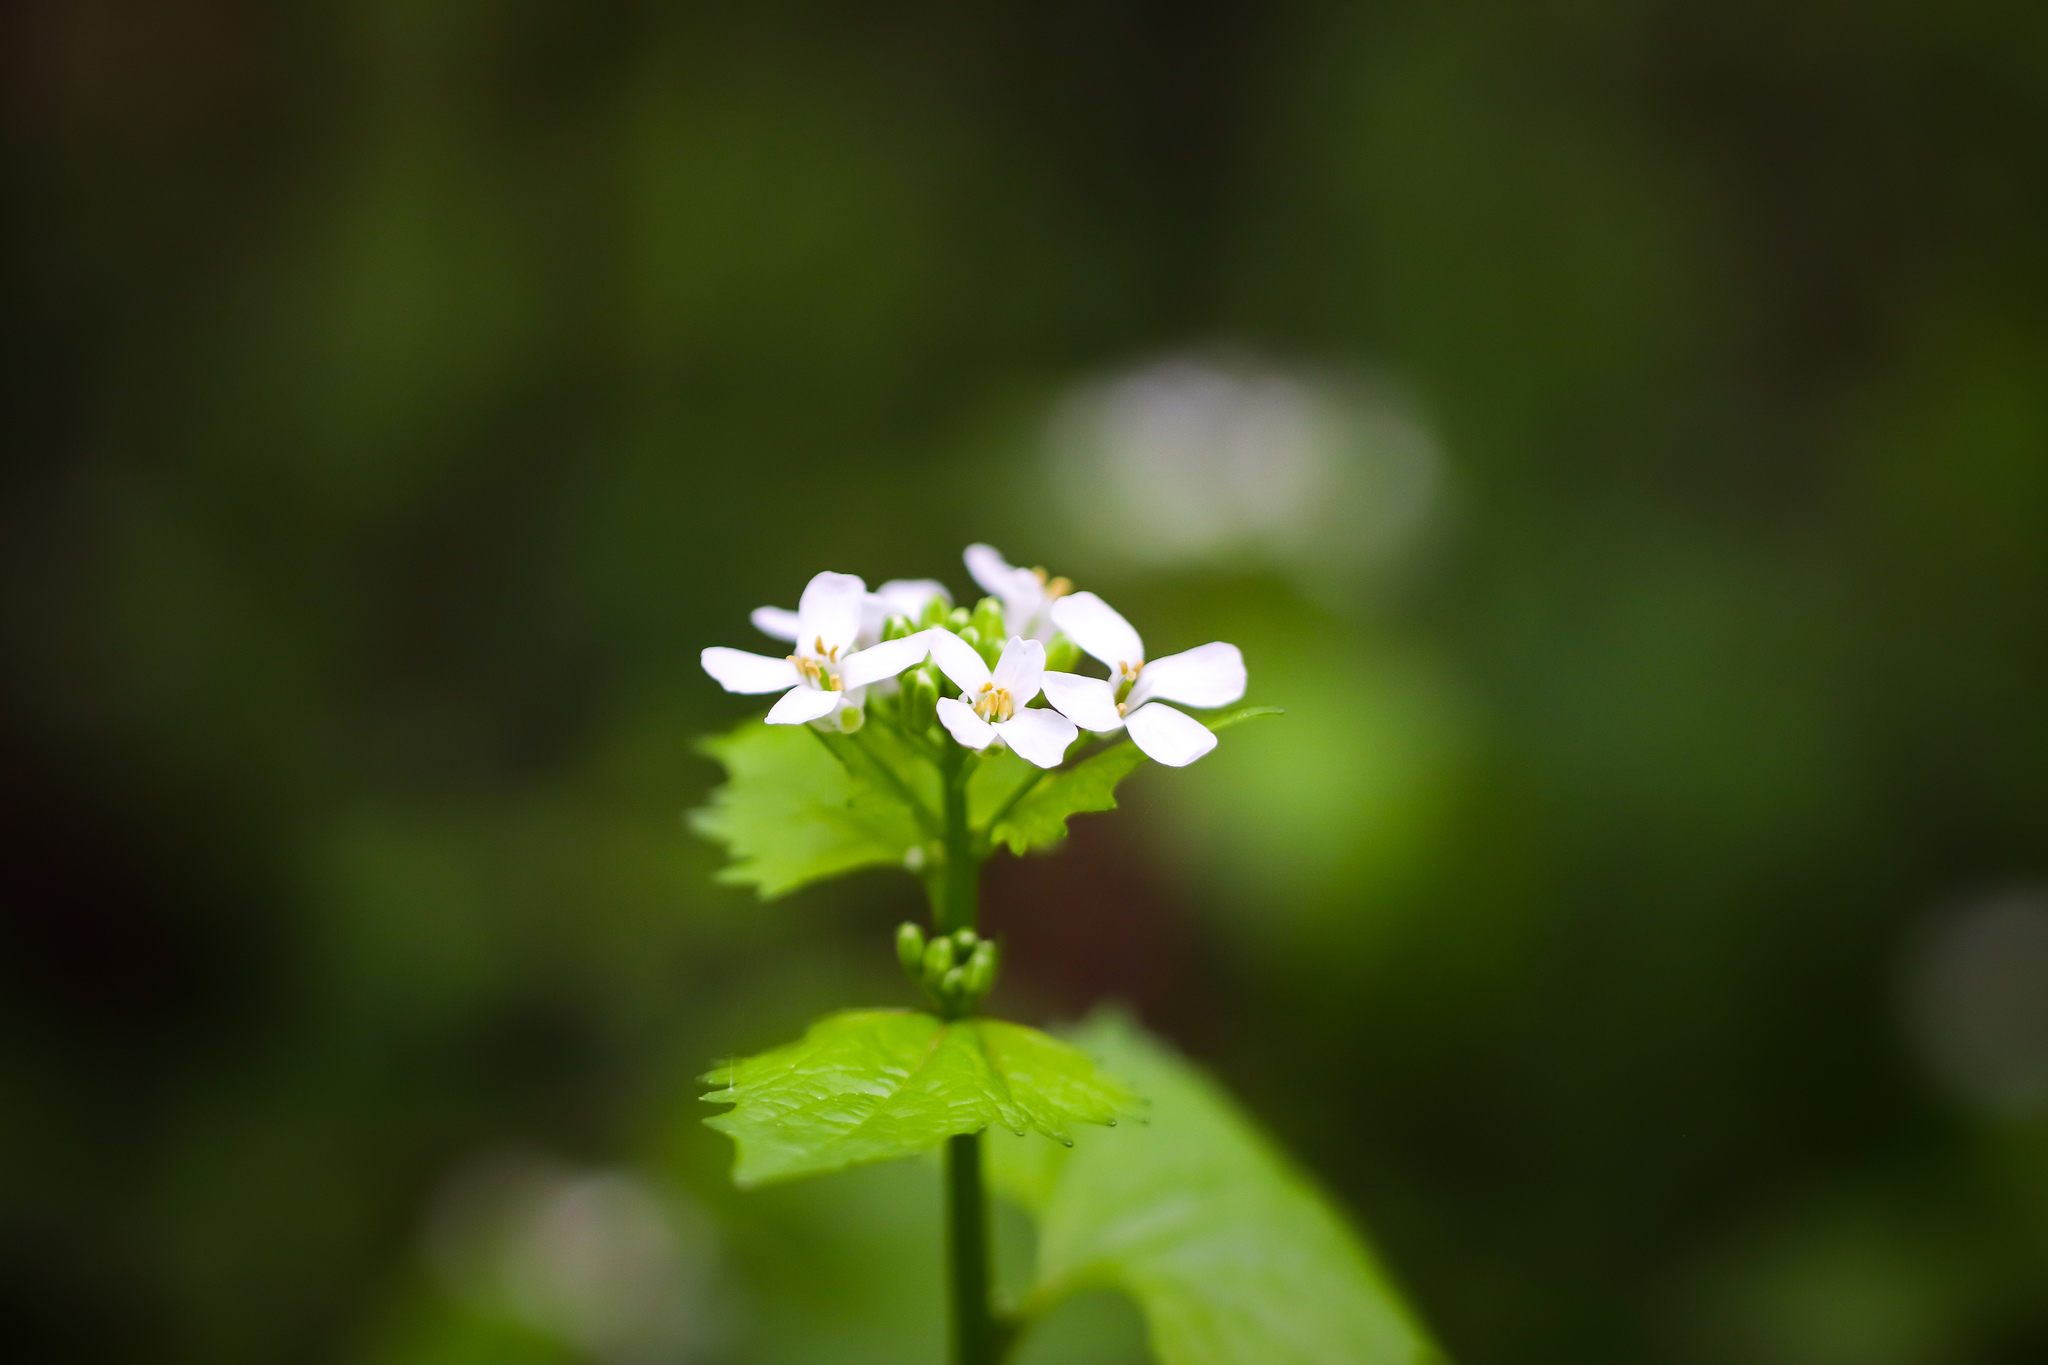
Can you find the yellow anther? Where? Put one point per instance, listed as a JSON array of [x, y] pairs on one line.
[[994, 704]]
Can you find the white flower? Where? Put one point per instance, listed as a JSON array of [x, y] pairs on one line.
[[827, 675], [1027, 595], [898, 597], [995, 705], [1209, 675]]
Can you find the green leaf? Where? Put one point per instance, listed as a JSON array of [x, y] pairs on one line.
[[870, 1085], [1232, 1255], [997, 778], [1223, 720], [792, 813], [1040, 818]]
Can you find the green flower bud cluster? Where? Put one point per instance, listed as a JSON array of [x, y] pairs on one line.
[[983, 628], [954, 970]]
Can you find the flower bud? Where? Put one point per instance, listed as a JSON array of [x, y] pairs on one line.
[[964, 941], [980, 973], [958, 618], [935, 612], [910, 947], [988, 619], [921, 693], [1062, 655], [952, 985], [938, 958], [972, 636], [851, 718], [897, 627]]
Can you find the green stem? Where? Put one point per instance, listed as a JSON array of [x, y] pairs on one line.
[[977, 1336], [956, 908]]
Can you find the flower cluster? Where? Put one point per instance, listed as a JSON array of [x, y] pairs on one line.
[[980, 671]]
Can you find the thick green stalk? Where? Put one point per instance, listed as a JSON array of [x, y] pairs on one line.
[[976, 1332], [977, 1337]]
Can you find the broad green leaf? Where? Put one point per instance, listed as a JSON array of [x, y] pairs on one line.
[[1040, 818], [869, 1085], [1233, 1256], [791, 813]]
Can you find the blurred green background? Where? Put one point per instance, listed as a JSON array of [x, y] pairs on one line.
[[1615, 432]]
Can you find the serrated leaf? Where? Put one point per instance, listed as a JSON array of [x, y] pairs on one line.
[[871, 1085], [790, 813], [1040, 818], [1232, 1255]]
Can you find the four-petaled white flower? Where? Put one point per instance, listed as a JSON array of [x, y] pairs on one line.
[[828, 674], [898, 597], [1026, 594], [994, 704], [1130, 699]]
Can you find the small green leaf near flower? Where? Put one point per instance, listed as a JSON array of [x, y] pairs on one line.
[[872, 1085], [791, 813], [1039, 820]]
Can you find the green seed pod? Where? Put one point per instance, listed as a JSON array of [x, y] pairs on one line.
[[910, 947], [1062, 655], [938, 959]]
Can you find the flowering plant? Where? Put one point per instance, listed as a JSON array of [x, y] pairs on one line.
[[936, 734]]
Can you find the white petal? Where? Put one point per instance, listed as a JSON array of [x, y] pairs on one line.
[[1038, 736], [989, 568], [1167, 736], [1094, 625], [1089, 702], [872, 618], [830, 613], [1022, 594], [777, 623], [910, 596], [738, 671], [1019, 669], [1207, 675], [961, 722], [801, 704], [885, 660], [957, 659]]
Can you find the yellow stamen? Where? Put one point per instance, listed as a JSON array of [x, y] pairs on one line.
[[993, 704]]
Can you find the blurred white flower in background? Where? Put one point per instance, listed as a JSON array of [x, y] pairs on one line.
[[1238, 462], [1976, 998], [1324, 479], [599, 1259]]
